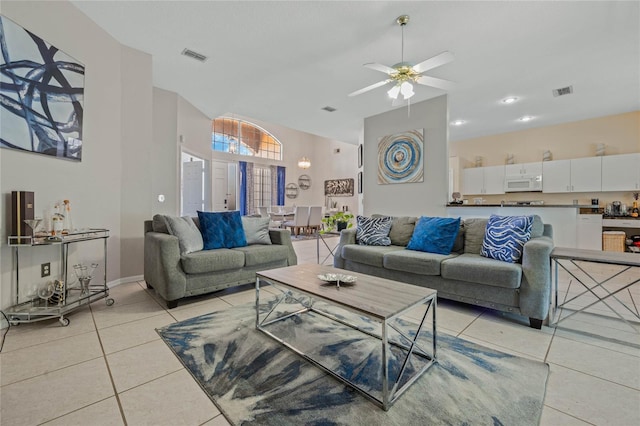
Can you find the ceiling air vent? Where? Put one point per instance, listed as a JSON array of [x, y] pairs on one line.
[[195, 55], [329, 109], [563, 91]]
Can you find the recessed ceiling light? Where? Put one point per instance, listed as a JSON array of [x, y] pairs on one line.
[[525, 118], [458, 122], [328, 108], [509, 100]]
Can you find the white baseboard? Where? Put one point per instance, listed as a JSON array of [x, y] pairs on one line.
[[125, 280]]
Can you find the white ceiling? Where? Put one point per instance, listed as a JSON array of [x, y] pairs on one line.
[[281, 62]]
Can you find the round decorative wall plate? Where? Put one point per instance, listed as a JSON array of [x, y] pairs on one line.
[[291, 190], [304, 182]]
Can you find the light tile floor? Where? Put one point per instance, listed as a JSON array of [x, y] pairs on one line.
[[109, 367]]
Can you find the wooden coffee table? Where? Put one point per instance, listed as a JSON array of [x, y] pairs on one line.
[[382, 302]]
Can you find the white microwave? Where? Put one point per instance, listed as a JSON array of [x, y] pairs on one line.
[[523, 183]]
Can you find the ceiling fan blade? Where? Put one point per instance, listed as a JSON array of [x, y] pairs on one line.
[[379, 67], [373, 86], [433, 62], [436, 82]]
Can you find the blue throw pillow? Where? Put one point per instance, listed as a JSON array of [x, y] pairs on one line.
[[434, 234], [222, 230], [373, 231], [505, 237]]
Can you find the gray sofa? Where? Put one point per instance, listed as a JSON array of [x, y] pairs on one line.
[[464, 275], [175, 276]]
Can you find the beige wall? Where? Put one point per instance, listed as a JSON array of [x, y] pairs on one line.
[[620, 133]]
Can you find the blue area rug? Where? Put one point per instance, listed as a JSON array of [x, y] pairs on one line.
[[254, 380]]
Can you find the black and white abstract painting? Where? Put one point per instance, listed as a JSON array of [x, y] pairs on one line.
[[338, 187], [41, 95]]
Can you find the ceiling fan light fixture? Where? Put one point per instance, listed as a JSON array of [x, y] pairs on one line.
[[406, 89], [394, 91]]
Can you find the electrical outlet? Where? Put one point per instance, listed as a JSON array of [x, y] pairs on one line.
[[45, 269]]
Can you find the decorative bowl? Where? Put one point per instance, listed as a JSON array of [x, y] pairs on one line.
[[335, 278]]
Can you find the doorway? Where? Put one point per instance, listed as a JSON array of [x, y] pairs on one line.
[[195, 185], [224, 184]]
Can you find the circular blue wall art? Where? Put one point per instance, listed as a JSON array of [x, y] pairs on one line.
[[400, 158]]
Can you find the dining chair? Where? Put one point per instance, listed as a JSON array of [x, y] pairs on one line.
[[315, 219], [300, 220]]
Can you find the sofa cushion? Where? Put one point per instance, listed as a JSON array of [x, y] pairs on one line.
[[222, 229], [214, 260], [260, 254], [434, 235], [458, 244], [505, 237], [368, 255], [158, 224], [256, 230], [482, 270], [189, 236], [474, 234], [401, 229], [373, 231], [416, 262], [537, 227]]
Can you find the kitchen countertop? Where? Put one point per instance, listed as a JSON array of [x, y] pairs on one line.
[[573, 206]]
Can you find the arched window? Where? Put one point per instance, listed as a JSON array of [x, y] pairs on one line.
[[243, 138]]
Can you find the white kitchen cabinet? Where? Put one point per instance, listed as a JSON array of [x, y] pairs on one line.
[[589, 232], [530, 169], [556, 176], [621, 172], [586, 174], [473, 181], [483, 180]]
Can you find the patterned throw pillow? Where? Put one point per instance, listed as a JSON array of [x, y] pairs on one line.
[[373, 231], [222, 230], [505, 237], [434, 235]]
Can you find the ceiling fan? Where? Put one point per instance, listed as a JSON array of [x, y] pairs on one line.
[[403, 74]]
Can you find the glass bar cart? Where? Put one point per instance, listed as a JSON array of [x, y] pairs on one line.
[[59, 300]]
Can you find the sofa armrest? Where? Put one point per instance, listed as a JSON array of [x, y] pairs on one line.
[[347, 236], [283, 238], [535, 289], [162, 267]]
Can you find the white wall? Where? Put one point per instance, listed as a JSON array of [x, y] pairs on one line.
[[410, 199], [93, 185], [325, 162], [165, 153], [111, 186], [135, 190]]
